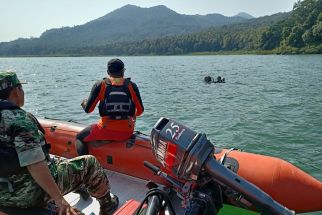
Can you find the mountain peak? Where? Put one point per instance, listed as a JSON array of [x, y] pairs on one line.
[[244, 15], [136, 11], [130, 6], [160, 7]]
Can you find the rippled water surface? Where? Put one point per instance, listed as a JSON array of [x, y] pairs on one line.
[[270, 105]]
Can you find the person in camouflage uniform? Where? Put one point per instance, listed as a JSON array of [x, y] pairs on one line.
[[42, 179]]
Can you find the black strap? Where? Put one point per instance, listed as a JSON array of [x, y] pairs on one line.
[[47, 146], [35, 120], [5, 105]]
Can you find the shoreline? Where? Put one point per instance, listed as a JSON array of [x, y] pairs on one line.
[[155, 55]]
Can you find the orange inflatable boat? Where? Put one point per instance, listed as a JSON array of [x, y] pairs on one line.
[[284, 182]]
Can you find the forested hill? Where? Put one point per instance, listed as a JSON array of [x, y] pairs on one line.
[[299, 31], [243, 36], [132, 23], [129, 23]]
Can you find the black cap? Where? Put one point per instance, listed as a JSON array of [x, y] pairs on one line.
[[115, 67]]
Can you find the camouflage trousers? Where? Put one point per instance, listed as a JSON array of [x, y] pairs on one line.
[[85, 170], [69, 174]]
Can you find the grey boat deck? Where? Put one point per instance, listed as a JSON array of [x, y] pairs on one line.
[[124, 186]]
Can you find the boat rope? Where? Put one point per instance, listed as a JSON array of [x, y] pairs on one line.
[[69, 120], [223, 158], [141, 133]]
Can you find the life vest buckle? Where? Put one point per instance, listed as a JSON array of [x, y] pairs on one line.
[[6, 184]]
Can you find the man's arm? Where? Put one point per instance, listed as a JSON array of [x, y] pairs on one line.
[[135, 93], [40, 172], [94, 97]]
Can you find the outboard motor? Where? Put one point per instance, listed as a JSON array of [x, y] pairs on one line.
[[189, 156]]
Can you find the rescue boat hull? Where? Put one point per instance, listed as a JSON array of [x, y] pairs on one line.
[[286, 183]]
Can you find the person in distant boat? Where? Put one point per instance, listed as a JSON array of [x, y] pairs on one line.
[[220, 80], [209, 79], [28, 176], [119, 104]]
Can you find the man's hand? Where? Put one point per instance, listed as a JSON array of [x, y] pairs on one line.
[[83, 104], [65, 208]]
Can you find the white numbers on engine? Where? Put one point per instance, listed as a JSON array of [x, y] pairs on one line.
[[173, 130]]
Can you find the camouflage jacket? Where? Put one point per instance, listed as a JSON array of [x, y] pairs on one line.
[[18, 130]]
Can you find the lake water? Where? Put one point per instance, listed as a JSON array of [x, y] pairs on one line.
[[269, 104]]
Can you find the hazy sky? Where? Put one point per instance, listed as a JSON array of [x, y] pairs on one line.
[[30, 18]]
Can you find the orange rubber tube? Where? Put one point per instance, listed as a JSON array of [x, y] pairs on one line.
[[284, 182]]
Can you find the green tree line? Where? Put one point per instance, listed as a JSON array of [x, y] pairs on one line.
[[301, 32]]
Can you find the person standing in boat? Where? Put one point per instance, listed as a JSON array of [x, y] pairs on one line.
[[28, 176], [119, 105]]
